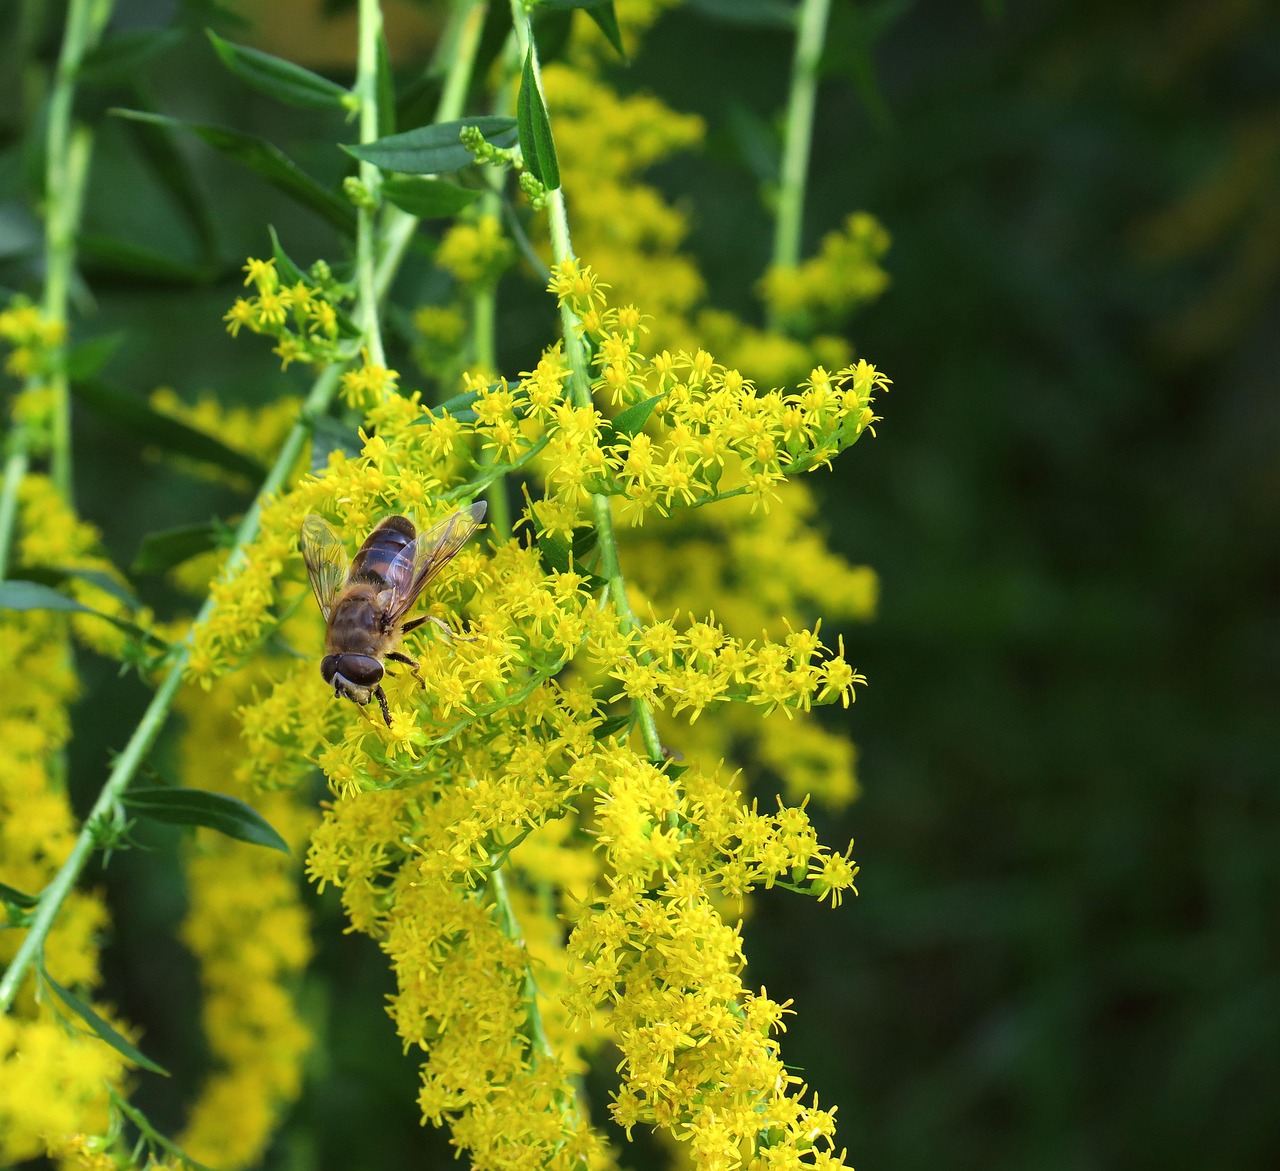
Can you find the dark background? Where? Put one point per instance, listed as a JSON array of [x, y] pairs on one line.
[[1065, 952]]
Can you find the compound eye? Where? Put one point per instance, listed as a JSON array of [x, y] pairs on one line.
[[362, 670], [329, 667]]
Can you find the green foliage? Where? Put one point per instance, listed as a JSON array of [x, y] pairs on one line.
[[227, 815]]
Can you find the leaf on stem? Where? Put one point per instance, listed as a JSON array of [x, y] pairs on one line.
[[267, 161], [630, 421], [277, 78], [536, 143], [428, 199], [601, 11], [12, 897], [150, 426], [99, 1026], [214, 811], [54, 577], [33, 595], [435, 149]]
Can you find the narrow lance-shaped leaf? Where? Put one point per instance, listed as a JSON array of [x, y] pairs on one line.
[[428, 199], [13, 897], [150, 426], [267, 161], [536, 143], [630, 421], [214, 811], [601, 11], [32, 595], [435, 149], [54, 577], [277, 78], [109, 1034]]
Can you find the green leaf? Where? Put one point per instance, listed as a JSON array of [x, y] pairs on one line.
[[120, 56], [267, 161], [99, 1026], [277, 78], [133, 260], [86, 359], [214, 811], [432, 150], [584, 542], [33, 595], [554, 554], [459, 407], [536, 143], [290, 273], [150, 426], [601, 11], [630, 421], [428, 199], [53, 576], [161, 551], [614, 724], [15, 898]]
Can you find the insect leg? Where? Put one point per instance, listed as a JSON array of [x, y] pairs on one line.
[[412, 664], [414, 624], [381, 697]]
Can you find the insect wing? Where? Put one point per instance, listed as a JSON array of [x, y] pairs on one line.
[[326, 560], [419, 562]]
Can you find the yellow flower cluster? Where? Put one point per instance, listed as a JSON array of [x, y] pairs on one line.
[[53, 1077], [651, 954], [825, 288], [710, 419], [461, 835], [247, 927], [475, 252], [53, 537], [305, 316], [31, 336]]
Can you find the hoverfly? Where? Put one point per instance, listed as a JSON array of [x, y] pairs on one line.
[[364, 604]]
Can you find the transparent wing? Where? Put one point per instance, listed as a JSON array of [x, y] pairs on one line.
[[325, 558], [427, 555]]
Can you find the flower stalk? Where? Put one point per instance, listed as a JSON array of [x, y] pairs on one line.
[[811, 33]]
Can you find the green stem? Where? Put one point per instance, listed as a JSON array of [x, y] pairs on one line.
[[580, 391], [15, 470], [810, 34], [67, 151], [366, 89]]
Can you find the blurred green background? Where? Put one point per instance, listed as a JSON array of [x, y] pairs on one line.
[[1065, 953]]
